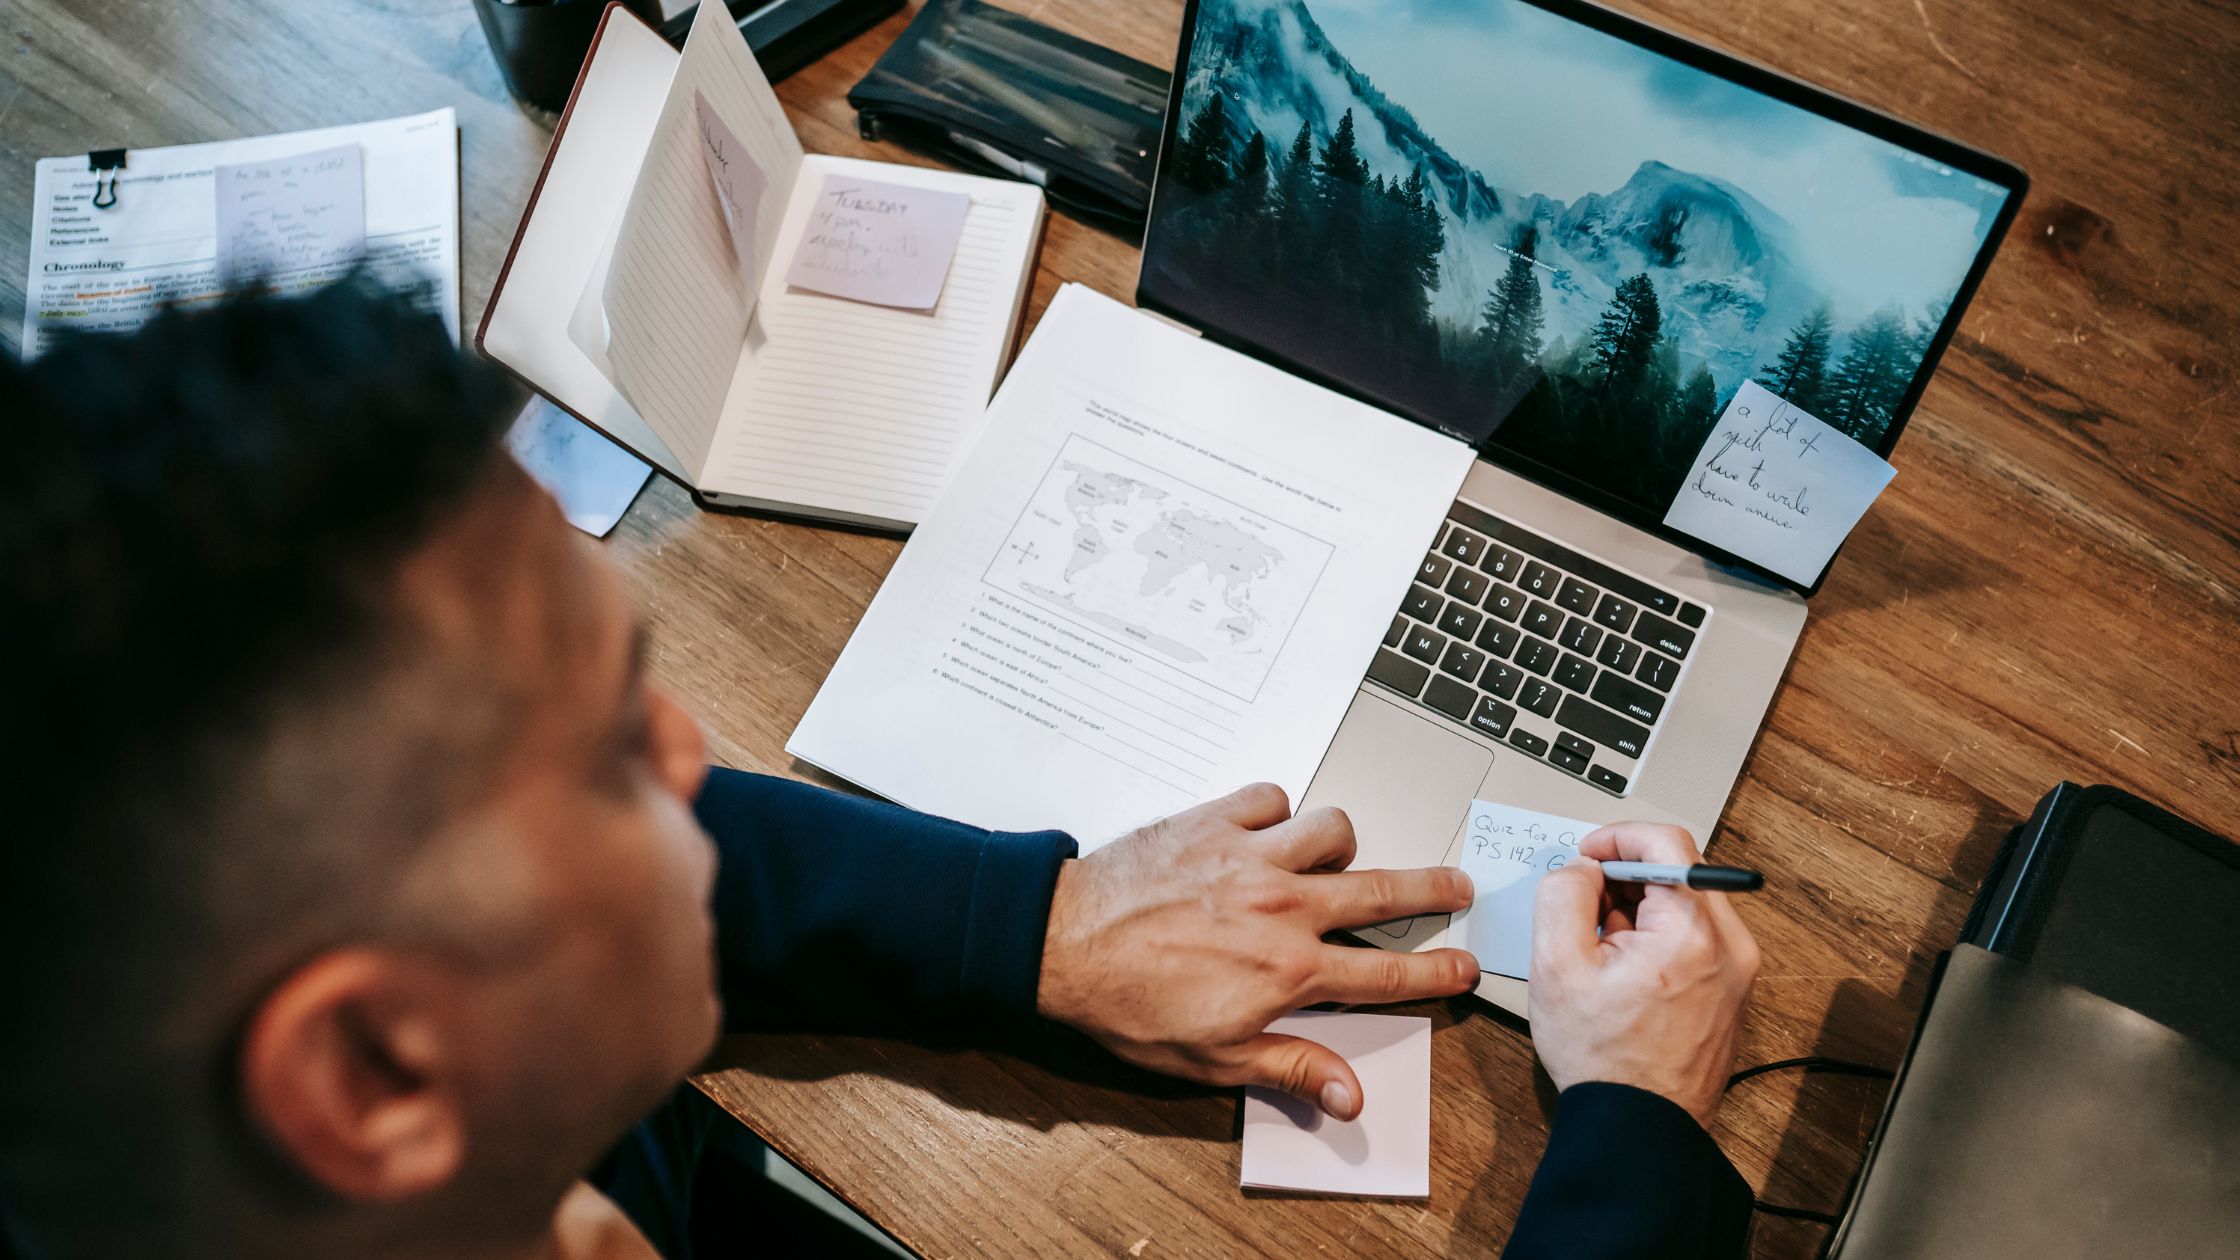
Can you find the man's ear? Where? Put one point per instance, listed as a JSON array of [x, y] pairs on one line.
[[347, 1069]]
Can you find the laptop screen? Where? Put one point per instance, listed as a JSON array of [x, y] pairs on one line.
[[1554, 233]]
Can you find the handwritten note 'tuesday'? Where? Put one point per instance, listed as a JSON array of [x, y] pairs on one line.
[[1505, 852], [887, 244], [1777, 486], [292, 214]]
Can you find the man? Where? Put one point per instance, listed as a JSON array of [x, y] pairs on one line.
[[358, 877]]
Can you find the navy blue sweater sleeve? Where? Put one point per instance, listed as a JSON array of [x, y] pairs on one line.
[[840, 913], [1629, 1175]]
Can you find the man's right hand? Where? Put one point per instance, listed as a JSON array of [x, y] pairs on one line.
[[1636, 984]]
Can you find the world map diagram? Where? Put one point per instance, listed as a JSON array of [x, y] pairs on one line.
[[1199, 581]]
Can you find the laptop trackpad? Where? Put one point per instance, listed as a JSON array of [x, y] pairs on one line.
[[1404, 779]]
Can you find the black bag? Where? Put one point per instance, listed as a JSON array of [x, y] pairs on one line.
[[2101, 890], [990, 91]]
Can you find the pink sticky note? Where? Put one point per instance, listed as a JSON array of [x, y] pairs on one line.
[[889, 244], [1385, 1152], [738, 181]]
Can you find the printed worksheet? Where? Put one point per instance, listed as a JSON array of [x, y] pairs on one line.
[[102, 267], [1160, 575]]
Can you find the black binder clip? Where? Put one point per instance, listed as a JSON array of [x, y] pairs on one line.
[[112, 162]]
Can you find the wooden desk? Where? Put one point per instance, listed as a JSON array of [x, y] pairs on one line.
[[2049, 590]]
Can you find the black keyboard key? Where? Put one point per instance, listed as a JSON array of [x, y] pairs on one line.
[[1492, 717], [1463, 661], [1538, 656], [1462, 545], [1574, 672], [1657, 671], [1629, 698], [1543, 619], [1619, 654], [1398, 673], [1499, 638], [1503, 563], [1568, 759], [1397, 631], [1460, 620], [1502, 680], [1542, 698], [1607, 779], [1451, 698], [1435, 569], [1528, 741], [1691, 615], [1506, 602], [1585, 568], [1424, 644], [1615, 614], [1667, 637], [1468, 585], [1580, 636], [1576, 596], [1422, 604], [1565, 739], [1539, 578], [1602, 726]]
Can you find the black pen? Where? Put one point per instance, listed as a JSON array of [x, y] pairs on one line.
[[1700, 876]]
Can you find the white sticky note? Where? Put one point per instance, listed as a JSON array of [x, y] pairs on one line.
[[1776, 485], [285, 217], [1385, 1152], [594, 479], [889, 244], [1505, 851], [739, 184]]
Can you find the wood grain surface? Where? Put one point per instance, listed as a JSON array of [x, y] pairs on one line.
[[2048, 591]]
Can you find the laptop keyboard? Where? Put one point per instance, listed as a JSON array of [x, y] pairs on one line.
[[1554, 653]]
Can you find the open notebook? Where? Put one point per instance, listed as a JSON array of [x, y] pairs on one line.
[[625, 302]]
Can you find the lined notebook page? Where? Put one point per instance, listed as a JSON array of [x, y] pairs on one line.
[[846, 407], [676, 310]]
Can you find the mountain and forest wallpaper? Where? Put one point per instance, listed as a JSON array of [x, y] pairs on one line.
[[1543, 237]]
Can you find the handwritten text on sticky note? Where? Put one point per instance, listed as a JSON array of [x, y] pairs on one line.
[[1505, 851], [1777, 486], [739, 184], [285, 216], [881, 243]]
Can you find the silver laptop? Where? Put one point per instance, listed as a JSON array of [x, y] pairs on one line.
[[1566, 238]]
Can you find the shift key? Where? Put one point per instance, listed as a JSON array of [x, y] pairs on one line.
[[1602, 726]]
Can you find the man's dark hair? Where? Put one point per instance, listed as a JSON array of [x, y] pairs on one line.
[[199, 522]]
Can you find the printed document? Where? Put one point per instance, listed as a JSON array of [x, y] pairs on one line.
[[105, 269], [1160, 575]]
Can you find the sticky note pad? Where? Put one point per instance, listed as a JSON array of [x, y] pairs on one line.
[[1385, 1152], [1777, 485], [1505, 851], [888, 244]]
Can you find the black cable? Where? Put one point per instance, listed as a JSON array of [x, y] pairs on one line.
[[1809, 1063], [1793, 1213], [1814, 1063]]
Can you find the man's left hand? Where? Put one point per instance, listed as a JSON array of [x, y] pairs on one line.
[[1178, 945]]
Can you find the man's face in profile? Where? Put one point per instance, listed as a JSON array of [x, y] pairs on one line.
[[572, 984]]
